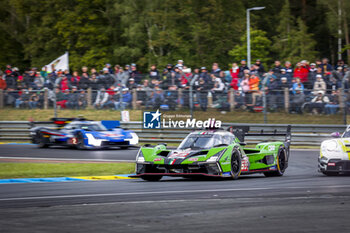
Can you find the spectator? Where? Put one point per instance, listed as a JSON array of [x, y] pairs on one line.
[[289, 70], [93, 82], [319, 85], [277, 69], [63, 83], [301, 72], [74, 80], [33, 100], [205, 76], [333, 83], [84, 82], [202, 92], [326, 67], [38, 81], [171, 96], [106, 79], [82, 99], [297, 101], [297, 84], [109, 67], [61, 98], [136, 75], [126, 100], [285, 75], [44, 72], [260, 67], [73, 99], [154, 73], [3, 84], [131, 84], [273, 93], [144, 93], [333, 105], [318, 103], [254, 83], [158, 98], [94, 71], [312, 74], [239, 99], [180, 64], [101, 98], [84, 71], [121, 77], [23, 100], [216, 70], [284, 83], [242, 67]]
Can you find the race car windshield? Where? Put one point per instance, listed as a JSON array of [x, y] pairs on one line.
[[346, 134], [198, 142], [92, 127]]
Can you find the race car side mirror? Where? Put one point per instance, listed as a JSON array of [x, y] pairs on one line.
[[335, 135]]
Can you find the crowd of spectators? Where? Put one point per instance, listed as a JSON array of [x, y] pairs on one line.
[[312, 87]]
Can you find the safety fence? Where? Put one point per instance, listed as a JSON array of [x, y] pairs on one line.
[[301, 134]]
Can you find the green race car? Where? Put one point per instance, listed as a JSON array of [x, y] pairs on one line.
[[215, 153]]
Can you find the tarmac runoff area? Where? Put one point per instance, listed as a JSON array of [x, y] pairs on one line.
[[303, 200]]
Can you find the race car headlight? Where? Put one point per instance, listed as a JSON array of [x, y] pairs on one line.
[[132, 138], [216, 157], [331, 146], [140, 158]]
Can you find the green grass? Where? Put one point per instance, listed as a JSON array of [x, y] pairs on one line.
[[39, 170], [10, 114]]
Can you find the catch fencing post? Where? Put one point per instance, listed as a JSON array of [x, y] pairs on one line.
[[286, 100], [89, 98], [134, 98], [180, 96], [1, 98], [46, 98], [232, 99]]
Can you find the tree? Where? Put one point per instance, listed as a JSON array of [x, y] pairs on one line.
[[260, 47], [282, 41]]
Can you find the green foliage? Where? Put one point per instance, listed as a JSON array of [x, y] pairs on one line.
[[34, 32], [293, 42], [260, 47]]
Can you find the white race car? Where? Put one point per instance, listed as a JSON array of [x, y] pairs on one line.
[[335, 154]]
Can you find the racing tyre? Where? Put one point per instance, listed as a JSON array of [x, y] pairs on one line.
[[151, 178], [42, 141], [281, 164], [80, 141], [236, 164]]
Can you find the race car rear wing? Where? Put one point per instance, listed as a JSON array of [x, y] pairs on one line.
[[241, 131], [62, 121]]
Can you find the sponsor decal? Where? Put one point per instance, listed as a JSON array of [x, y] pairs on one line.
[[157, 159], [245, 165], [331, 164], [271, 147], [193, 159], [152, 120], [179, 155], [272, 168]]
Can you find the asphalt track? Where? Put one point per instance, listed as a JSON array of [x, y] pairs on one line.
[[301, 201]]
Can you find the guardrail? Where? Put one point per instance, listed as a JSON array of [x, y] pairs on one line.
[[301, 134]]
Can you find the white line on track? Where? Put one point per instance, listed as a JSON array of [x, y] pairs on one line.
[[63, 159], [164, 192]]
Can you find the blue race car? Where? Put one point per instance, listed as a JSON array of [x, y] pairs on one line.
[[84, 134]]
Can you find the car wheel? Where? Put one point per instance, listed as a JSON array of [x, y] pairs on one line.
[[42, 141], [236, 164], [151, 178], [80, 141], [281, 163]]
